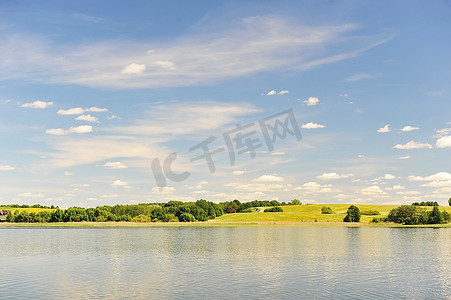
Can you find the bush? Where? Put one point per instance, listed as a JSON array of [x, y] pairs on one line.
[[427, 203], [353, 214], [187, 217], [408, 215], [370, 212], [326, 210], [141, 219], [274, 209], [378, 220], [446, 216]]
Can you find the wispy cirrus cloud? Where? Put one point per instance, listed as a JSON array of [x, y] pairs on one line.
[[79, 110], [357, 77], [251, 45]]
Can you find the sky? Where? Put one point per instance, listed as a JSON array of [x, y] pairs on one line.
[[110, 102]]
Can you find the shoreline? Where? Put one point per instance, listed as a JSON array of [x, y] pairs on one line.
[[214, 224]]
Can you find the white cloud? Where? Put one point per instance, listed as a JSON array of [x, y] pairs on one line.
[[314, 187], [31, 195], [372, 190], [109, 196], [436, 177], [269, 178], [443, 132], [201, 192], [327, 176], [81, 129], [404, 157], [37, 104], [357, 77], [79, 110], [135, 69], [7, 168], [56, 131], [384, 129], [311, 125], [278, 153], [399, 187], [311, 101], [412, 145], [80, 185], [239, 172], [112, 117], [120, 183], [203, 117], [438, 183], [68, 173], [444, 142], [273, 92], [408, 193], [78, 129], [409, 128], [94, 199], [163, 190], [87, 118], [117, 165], [165, 64], [389, 176], [77, 150], [201, 57]]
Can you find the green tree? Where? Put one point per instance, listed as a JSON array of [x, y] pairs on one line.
[[435, 216], [231, 208], [449, 201], [274, 209], [326, 210], [295, 202], [353, 214], [57, 216], [187, 217], [408, 215]]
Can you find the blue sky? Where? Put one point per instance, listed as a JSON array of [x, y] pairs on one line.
[[91, 93]]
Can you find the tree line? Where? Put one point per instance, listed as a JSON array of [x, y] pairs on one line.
[[172, 211]]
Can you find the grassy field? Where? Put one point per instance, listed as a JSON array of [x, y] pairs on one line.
[[293, 215], [29, 210], [309, 213]]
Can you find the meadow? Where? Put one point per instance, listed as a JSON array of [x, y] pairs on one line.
[[309, 213], [303, 215]]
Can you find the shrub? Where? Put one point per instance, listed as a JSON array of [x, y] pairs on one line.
[[353, 214], [370, 212], [408, 215], [446, 216], [141, 219], [274, 209], [187, 217], [326, 210]]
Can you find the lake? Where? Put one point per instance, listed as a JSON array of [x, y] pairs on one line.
[[225, 263]]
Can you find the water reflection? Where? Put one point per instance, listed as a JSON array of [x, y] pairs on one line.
[[225, 262]]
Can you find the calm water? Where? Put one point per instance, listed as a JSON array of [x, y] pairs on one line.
[[225, 263]]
